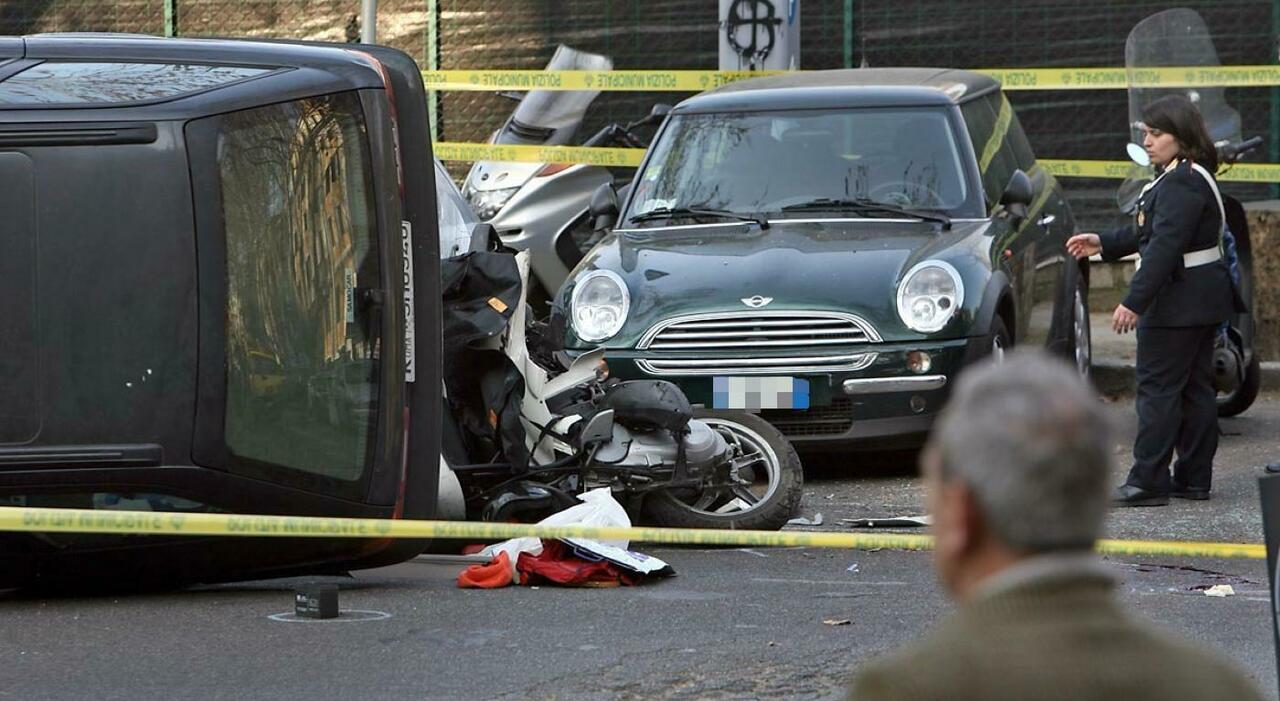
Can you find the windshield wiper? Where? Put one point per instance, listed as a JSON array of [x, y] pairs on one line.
[[862, 205], [672, 212]]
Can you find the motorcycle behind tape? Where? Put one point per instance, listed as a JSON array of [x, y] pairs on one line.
[[1179, 37]]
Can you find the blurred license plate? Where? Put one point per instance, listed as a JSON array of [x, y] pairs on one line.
[[759, 393]]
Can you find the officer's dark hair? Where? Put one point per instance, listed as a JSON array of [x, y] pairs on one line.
[[1175, 114]]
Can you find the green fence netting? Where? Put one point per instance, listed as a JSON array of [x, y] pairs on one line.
[[657, 34]]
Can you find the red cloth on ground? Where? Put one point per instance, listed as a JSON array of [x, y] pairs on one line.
[[494, 575], [557, 566]]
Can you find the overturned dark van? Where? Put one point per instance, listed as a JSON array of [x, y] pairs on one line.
[[206, 270]]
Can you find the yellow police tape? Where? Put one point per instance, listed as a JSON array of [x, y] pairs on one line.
[[636, 81], [1122, 78], [1240, 172], [587, 155], [631, 157], [1011, 78], [205, 524]]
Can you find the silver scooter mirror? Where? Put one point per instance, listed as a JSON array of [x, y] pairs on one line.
[[1131, 189], [1138, 155]]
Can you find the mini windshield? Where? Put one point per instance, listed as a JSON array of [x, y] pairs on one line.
[[771, 162]]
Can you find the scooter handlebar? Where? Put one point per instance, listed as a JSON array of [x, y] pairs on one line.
[[1229, 153]]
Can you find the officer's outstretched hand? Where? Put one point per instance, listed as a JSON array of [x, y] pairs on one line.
[[1084, 245], [1124, 320]]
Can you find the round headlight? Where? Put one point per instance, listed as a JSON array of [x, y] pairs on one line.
[[599, 305], [929, 295]]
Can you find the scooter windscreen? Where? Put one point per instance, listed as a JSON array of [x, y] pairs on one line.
[[1177, 37], [543, 118], [557, 111]]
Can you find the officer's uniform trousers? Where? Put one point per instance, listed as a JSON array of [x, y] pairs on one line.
[[1182, 292]]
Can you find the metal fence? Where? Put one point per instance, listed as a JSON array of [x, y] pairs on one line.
[[657, 34]]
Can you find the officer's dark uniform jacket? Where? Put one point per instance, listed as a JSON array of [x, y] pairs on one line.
[[1177, 215]]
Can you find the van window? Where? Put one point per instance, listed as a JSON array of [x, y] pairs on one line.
[[73, 83], [303, 337]]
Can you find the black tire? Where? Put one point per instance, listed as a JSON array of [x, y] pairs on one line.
[[781, 498], [1079, 337], [1241, 399], [1001, 339]]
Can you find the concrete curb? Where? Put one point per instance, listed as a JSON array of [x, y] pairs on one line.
[[1113, 377]]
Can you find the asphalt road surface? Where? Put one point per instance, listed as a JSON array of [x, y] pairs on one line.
[[733, 624]]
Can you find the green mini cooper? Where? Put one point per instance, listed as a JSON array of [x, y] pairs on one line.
[[830, 249]]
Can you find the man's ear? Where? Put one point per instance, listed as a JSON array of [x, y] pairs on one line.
[[969, 514], [958, 517]]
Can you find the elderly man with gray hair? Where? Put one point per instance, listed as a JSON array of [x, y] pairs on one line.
[[1016, 474]]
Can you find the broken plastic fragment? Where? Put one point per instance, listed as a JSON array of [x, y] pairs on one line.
[[890, 522], [1220, 590]]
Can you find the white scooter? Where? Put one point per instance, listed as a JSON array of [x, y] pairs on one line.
[[574, 430]]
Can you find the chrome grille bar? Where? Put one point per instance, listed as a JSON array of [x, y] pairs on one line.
[[757, 366]]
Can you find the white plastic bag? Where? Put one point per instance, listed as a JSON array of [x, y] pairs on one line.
[[598, 508]]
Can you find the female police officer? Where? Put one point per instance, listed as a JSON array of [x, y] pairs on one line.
[[1181, 292]]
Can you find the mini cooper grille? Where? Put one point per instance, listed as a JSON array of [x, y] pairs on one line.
[[756, 330], [757, 343]]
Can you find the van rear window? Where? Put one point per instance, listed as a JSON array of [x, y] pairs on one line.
[[79, 83]]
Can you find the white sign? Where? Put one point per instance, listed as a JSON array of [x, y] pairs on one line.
[[349, 299], [406, 247], [759, 35]]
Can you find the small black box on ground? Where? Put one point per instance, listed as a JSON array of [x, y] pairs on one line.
[[316, 601]]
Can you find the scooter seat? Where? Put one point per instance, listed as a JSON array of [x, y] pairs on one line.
[[645, 405]]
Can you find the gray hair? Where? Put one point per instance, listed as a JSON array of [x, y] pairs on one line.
[[1030, 438]]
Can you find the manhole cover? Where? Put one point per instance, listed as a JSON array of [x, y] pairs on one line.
[[344, 616]]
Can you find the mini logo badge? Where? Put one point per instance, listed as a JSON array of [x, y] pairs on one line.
[[756, 302]]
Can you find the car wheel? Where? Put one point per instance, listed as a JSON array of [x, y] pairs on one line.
[[1001, 340], [1080, 340]]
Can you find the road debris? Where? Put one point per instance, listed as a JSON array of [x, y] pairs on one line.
[[571, 562], [801, 521], [889, 522], [836, 622], [1220, 591]]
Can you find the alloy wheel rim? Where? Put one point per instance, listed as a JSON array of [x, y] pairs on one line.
[[1080, 324], [750, 452]]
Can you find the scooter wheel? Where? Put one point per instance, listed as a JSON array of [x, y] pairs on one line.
[[770, 474], [1242, 398]]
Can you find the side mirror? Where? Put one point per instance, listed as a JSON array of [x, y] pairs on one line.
[[1017, 194], [658, 113], [604, 208], [1138, 155]]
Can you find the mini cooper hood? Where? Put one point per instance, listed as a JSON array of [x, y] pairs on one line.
[[846, 265]]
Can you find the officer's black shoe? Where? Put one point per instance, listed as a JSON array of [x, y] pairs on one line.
[[1129, 495], [1273, 468], [1189, 493]]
